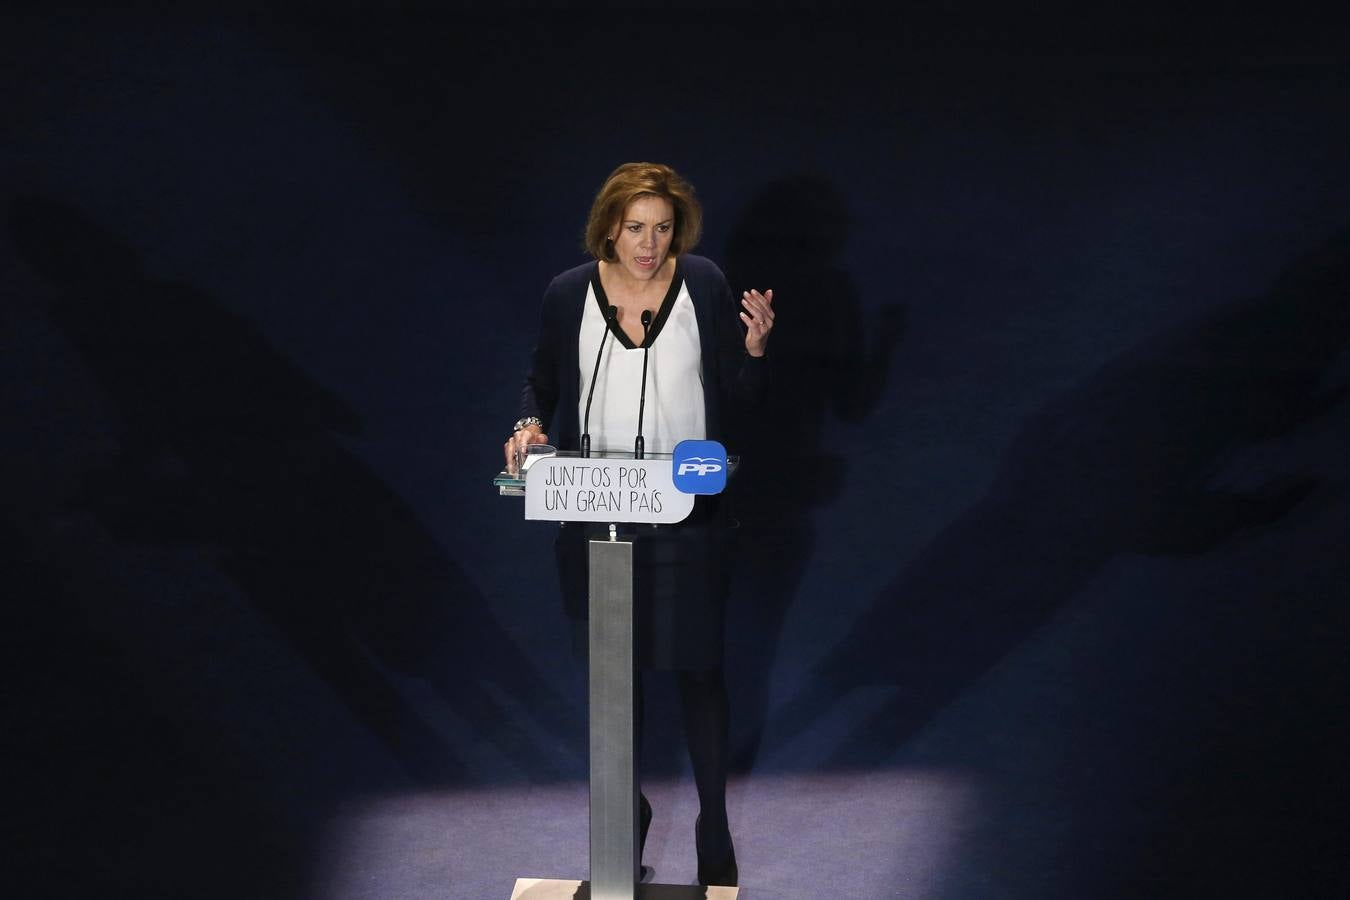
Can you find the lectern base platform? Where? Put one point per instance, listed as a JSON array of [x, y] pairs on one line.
[[563, 889]]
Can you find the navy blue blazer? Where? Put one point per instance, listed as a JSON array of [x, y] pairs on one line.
[[732, 378]]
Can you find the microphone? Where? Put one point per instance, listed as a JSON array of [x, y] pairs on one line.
[[642, 398], [610, 313]]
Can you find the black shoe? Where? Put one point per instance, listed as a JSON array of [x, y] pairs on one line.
[[715, 871], [644, 822]]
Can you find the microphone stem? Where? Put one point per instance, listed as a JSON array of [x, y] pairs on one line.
[[638, 445], [595, 375], [642, 405]]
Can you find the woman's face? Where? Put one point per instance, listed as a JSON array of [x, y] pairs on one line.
[[642, 237]]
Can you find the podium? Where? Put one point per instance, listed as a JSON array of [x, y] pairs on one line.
[[613, 489]]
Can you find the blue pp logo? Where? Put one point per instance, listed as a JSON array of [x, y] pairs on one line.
[[699, 467]]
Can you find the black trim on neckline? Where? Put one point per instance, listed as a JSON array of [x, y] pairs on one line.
[[667, 304]]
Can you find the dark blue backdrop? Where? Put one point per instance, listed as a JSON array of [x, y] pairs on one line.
[[1052, 491]]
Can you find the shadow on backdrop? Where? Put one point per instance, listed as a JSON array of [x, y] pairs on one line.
[[112, 798], [827, 362], [1121, 464], [1138, 460], [226, 445]]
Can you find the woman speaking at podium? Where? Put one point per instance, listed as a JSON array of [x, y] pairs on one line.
[[647, 339]]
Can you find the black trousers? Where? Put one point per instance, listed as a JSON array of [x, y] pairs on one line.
[[681, 577]]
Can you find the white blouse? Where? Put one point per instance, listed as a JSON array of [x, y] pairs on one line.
[[674, 403]]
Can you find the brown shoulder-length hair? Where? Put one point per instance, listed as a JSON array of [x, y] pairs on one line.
[[630, 181]]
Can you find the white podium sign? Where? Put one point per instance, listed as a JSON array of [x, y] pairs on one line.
[[591, 489]]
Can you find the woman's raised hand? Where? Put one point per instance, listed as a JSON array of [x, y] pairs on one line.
[[758, 318]]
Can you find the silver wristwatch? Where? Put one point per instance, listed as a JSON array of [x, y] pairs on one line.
[[528, 420]]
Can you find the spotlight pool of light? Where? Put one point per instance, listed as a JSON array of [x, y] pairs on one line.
[[891, 833]]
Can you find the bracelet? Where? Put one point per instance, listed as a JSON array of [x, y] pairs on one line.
[[526, 422]]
